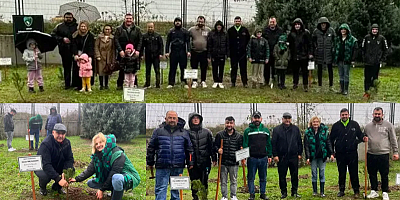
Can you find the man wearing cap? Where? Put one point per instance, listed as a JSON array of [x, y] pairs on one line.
[[9, 128], [56, 155], [257, 138], [287, 149]]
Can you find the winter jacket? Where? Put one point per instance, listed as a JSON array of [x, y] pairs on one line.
[[286, 141], [111, 160], [198, 38], [202, 142], [36, 123], [85, 66], [282, 57], [56, 157], [345, 139], [104, 49], [8, 123], [122, 37], [130, 64], [153, 45], [53, 119], [178, 40], [231, 144], [317, 145], [64, 30], [258, 139], [300, 42], [258, 49], [350, 49], [381, 138], [272, 36], [83, 44], [218, 42], [171, 147], [238, 41], [374, 49], [323, 42], [29, 56]]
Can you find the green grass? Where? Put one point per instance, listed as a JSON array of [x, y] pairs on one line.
[[389, 90], [305, 187], [17, 185]]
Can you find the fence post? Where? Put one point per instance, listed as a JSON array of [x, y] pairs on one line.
[[79, 119], [392, 112], [33, 109]]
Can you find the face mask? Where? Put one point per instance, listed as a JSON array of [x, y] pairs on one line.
[[377, 119]]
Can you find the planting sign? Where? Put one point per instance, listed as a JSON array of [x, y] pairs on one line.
[[180, 183], [30, 163], [242, 154]]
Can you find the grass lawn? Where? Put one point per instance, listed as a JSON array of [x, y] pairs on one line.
[[54, 90], [17, 185], [273, 191]]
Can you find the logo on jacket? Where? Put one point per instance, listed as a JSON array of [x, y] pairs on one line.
[[382, 129], [28, 21], [243, 33], [377, 42]]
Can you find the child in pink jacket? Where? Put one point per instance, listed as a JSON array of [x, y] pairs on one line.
[[85, 71]]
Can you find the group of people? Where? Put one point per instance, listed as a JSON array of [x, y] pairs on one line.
[[172, 148]]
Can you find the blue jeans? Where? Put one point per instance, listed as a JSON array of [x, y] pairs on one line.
[[344, 72], [49, 132], [117, 183], [162, 180], [252, 165], [315, 165], [36, 134]]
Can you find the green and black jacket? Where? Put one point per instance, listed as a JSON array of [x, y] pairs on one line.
[[258, 139], [350, 46], [317, 145]]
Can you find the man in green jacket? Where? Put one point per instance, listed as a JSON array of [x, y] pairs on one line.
[[257, 138], [35, 127]]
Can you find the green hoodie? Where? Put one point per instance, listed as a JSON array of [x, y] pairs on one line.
[[350, 45], [36, 122], [258, 139]]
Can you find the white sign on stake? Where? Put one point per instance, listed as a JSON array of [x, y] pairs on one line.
[[190, 74], [30, 163], [133, 94], [5, 61], [180, 183], [163, 65], [242, 154], [397, 179], [29, 137]]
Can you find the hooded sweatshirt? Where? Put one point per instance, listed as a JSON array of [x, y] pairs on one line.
[[53, 119], [300, 42], [36, 122], [381, 137], [85, 66], [29, 56], [323, 42], [348, 52], [374, 48], [258, 48], [178, 39], [281, 53], [217, 42]]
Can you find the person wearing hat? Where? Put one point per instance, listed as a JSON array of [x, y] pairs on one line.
[[9, 128], [56, 155], [258, 55], [287, 148], [374, 48], [257, 138], [177, 48]]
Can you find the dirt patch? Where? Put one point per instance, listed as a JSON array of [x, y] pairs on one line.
[[74, 193], [391, 187], [80, 164], [245, 190], [24, 150], [1, 145], [305, 176], [212, 180]]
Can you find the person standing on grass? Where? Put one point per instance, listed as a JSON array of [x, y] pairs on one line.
[[318, 150], [104, 50], [374, 49], [198, 43], [345, 55], [323, 39], [178, 43], [272, 33], [282, 57], [203, 146], [239, 37], [171, 146], [287, 149], [56, 155], [257, 138], [218, 51], [232, 142], [381, 137], [9, 128], [52, 119], [63, 34], [35, 127], [345, 137], [32, 57], [153, 51], [258, 55]]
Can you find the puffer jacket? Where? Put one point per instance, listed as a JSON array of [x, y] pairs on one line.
[[258, 49], [300, 42], [32, 63], [8, 123], [122, 37], [64, 30], [231, 144], [85, 66], [374, 48], [130, 64], [323, 42], [171, 148], [286, 141], [202, 142], [218, 42], [53, 119], [317, 145], [350, 46]]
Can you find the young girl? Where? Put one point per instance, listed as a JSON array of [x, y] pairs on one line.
[[130, 64], [85, 71], [282, 57], [32, 58]]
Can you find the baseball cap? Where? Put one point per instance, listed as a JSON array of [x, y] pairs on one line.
[[256, 114], [286, 114]]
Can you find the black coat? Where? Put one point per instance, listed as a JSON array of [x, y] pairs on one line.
[[56, 157], [258, 50], [122, 37], [323, 45], [84, 44], [374, 49], [130, 64], [286, 141], [178, 40], [8, 123], [62, 31], [346, 139], [272, 36], [231, 144], [238, 41], [217, 44], [153, 45], [300, 42]]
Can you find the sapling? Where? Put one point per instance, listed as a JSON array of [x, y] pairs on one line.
[[19, 83], [202, 192], [68, 173]]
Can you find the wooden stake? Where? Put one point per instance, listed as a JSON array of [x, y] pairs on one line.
[[365, 173], [181, 191], [219, 170], [33, 183], [29, 135], [190, 88], [244, 173]]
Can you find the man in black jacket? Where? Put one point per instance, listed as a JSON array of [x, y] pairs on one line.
[[238, 36], [153, 51], [63, 34], [287, 149], [271, 33], [9, 128], [202, 142], [178, 43], [345, 136], [232, 142], [125, 34], [56, 155], [374, 48]]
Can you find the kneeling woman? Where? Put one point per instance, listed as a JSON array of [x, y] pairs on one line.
[[114, 171]]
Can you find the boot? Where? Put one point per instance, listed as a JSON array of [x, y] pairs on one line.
[[252, 197], [41, 89], [322, 188], [31, 90], [341, 87], [117, 195], [314, 186]]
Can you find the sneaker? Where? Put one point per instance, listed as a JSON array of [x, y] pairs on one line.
[[169, 86], [356, 195], [194, 85], [221, 85], [224, 198], [43, 191], [385, 196], [215, 85], [283, 196], [373, 194], [323, 195], [295, 195], [263, 197], [332, 89], [234, 198], [186, 86], [11, 149], [295, 87], [203, 84], [252, 197], [340, 194], [89, 90], [83, 90]]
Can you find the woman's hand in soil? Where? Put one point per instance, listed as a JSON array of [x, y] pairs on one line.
[[99, 194]]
